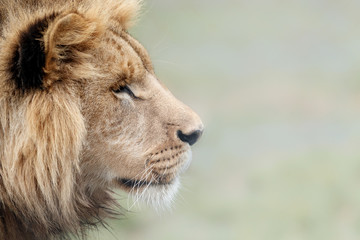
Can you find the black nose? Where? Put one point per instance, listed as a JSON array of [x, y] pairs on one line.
[[189, 138]]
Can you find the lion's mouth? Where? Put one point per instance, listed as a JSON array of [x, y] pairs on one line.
[[133, 183]]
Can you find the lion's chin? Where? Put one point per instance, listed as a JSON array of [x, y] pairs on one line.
[[158, 195]]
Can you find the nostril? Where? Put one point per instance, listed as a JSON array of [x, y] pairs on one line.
[[189, 138]]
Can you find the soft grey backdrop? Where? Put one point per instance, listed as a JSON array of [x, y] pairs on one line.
[[277, 85]]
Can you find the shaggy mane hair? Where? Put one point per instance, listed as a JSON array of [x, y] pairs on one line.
[[42, 192]]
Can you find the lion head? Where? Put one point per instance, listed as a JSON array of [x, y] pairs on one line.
[[82, 112]]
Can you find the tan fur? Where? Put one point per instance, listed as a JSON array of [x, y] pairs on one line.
[[65, 145]]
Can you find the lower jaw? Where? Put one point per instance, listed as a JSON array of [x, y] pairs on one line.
[[159, 196]]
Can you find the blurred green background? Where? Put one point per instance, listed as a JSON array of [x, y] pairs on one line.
[[277, 85]]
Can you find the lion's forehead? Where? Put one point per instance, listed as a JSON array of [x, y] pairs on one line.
[[126, 59]]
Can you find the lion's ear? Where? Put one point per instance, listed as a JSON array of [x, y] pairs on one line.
[[48, 43], [67, 41]]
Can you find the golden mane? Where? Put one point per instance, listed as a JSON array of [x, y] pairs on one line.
[[42, 133]]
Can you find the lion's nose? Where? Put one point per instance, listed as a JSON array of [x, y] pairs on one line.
[[190, 138]]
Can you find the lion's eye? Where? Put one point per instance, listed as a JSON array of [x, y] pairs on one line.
[[125, 89]]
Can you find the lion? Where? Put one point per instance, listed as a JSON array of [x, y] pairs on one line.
[[82, 113]]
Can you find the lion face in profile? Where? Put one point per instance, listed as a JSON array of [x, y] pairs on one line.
[[138, 133], [82, 112]]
